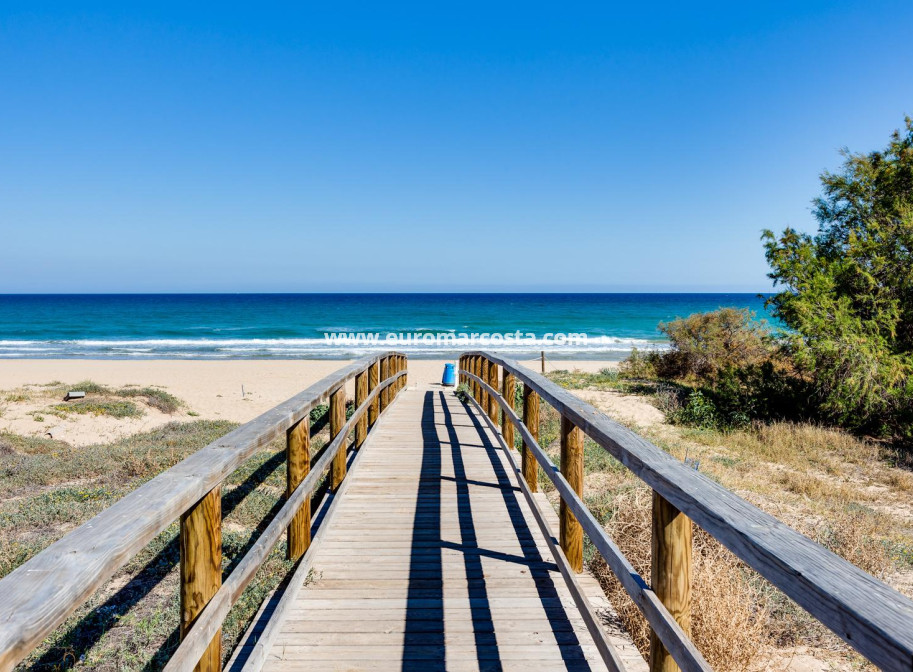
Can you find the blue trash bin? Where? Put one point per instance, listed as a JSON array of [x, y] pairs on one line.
[[449, 379]]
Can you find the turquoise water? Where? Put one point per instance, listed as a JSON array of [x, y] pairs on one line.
[[232, 326]]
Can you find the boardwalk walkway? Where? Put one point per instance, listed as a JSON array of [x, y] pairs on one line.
[[433, 560]]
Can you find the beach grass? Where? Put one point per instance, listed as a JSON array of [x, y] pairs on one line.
[[848, 493], [49, 487]]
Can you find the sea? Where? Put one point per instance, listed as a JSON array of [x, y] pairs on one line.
[[342, 326]]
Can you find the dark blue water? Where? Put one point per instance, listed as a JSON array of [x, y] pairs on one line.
[[221, 326]]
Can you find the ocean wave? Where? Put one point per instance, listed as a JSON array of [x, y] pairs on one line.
[[308, 348]]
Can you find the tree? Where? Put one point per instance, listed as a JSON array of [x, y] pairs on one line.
[[847, 292]]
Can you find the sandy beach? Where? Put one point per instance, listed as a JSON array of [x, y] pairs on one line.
[[236, 390]]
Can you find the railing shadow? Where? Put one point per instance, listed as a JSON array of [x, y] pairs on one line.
[[569, 645], [89, 630]]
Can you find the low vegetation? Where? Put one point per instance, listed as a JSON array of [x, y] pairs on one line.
[[48, 487], [849, 493]]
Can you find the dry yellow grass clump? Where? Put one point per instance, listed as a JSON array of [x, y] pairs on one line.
[[728, 619]]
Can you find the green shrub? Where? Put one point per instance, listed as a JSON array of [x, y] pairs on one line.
[[463, 393], [706, 344]]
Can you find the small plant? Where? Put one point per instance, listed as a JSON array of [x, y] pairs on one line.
[[462, 393], [115, 409], [698, 411], [38, 418], [159, 399]]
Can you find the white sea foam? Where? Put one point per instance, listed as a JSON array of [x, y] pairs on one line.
[[593, 347]]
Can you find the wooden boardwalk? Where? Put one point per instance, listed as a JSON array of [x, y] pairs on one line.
[[433, 560]]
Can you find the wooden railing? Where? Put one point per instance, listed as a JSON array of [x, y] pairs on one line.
[[870, 616], [40, 594]]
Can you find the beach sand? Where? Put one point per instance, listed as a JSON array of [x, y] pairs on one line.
[[210, 389]]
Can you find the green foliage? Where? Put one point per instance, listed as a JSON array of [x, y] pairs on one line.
[[704, 345], [698, 411], [848, 291], [463, 393], [154, 397], [116, 409], [639, 365]]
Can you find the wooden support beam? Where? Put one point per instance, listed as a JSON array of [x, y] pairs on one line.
[[671, 574], [361, 393], [384, 374], [572, 470], [483, 374], [298, 464], [201, 569], [493, 407], [373, 375], [337, 420], [531, 420], [508, 391]]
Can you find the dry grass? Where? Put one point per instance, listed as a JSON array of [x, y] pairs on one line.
[[48, 487], [851, 495], [728, 617]]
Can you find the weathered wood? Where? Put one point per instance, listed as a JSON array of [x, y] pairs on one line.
[[337, 420], [201, 569], [384, 374], [572, 470], [209, 620], [531, 421], [593, 622], [264, 641], [483, 374], [473, 562], [361, 393], [867, 614], [670, 575], [508, 392], [373, 379], [492, 401], [38, 596], [661, 621], [298, 464]]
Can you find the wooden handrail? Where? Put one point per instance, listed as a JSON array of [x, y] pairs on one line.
[[869, 615], [40, 594]]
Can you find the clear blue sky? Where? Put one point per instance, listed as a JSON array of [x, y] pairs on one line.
[[458, 146]]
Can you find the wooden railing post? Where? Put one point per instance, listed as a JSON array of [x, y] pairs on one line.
[[337, 420], [384, 374], [361, 393], [572, 470], [483, 374], [298, 465], [671, 574], [492, 380], [508, 391], [473, 368], [531, 420], [201, 569], [372, 383]]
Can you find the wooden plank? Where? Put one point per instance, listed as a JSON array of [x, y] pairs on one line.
[[867, 614], [39, 595], [664, 625], [210, 619], [434, 544], [201, 570]]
